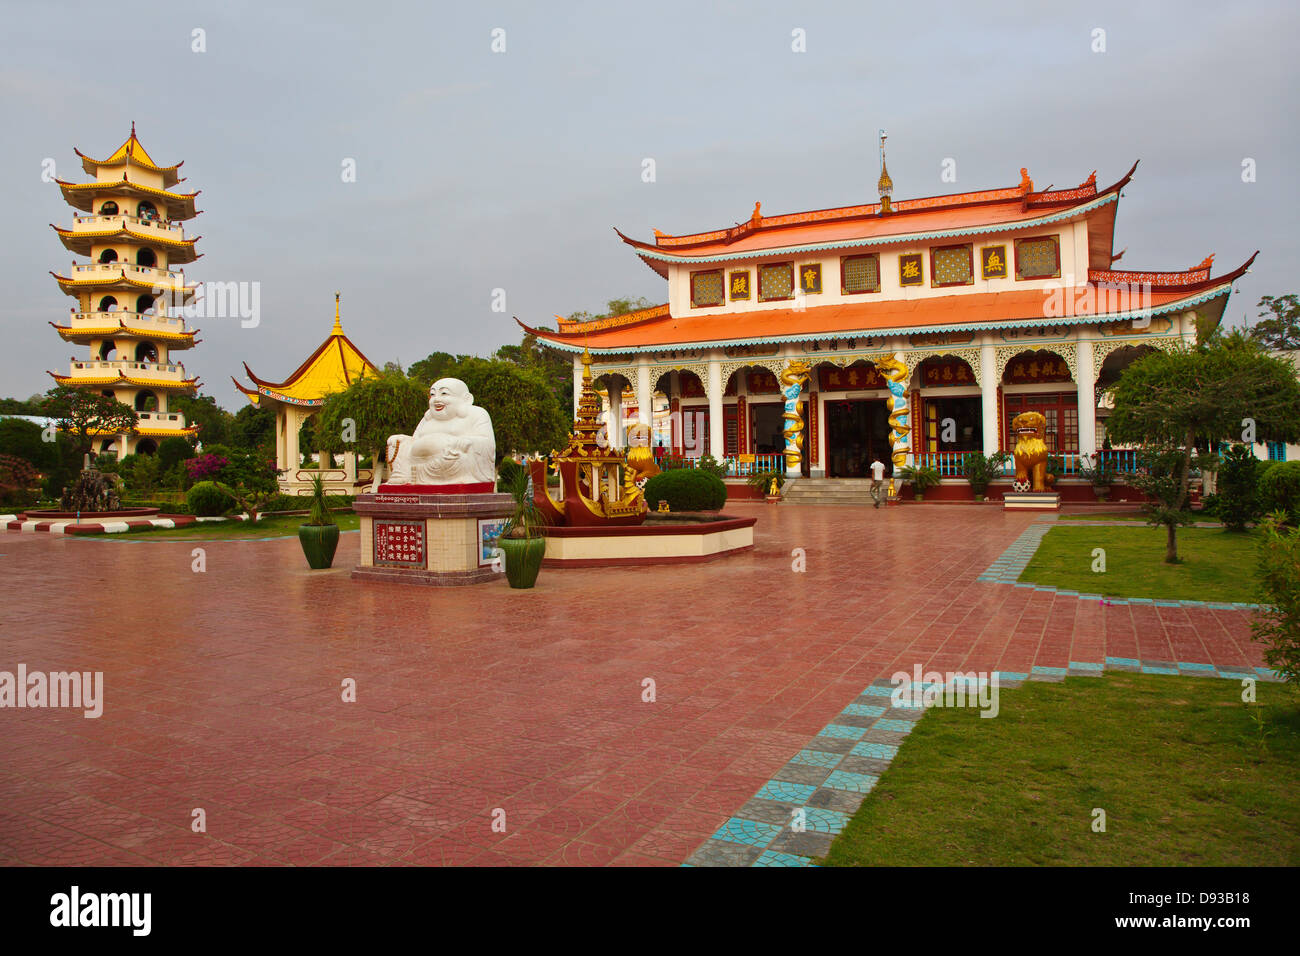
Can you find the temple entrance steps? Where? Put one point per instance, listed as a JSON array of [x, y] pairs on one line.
[[828, 491]]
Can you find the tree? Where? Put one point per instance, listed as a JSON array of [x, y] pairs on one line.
[[1277, 624], [214, 421], [83, 414], [1282, 330], [433, 367], [377, 406], [253, 427], [1225, 388], [526, 416]]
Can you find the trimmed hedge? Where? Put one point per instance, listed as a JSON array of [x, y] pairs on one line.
[[686, 489], [1279, 489], [206, 500]]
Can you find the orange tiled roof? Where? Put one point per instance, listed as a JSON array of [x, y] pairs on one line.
[[881, 316]]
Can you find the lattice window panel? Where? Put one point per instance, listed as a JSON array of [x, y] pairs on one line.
[[706, 288], [1037, 258], [860, 274], [952, 266], [775, 282]]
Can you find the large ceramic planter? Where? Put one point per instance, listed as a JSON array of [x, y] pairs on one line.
[[319, 542], [523, 559]]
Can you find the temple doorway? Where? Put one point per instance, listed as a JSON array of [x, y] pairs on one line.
[[857, 433]]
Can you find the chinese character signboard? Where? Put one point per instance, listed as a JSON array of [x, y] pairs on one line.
[[739, 285], [1037, 367], [993, 262], [909, 269], [857, 376], [760, 383], [810, 278], [399, 543], [940, 372]]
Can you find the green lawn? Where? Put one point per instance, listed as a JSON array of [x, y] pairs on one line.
[[1217, 565], [1177, 764], [208, 530]]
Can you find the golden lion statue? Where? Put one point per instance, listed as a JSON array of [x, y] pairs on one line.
[[1030, 432]]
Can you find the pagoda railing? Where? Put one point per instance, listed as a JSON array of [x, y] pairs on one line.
[[97, 320], [157, 369], [161, 418], [132, 271], [122, 219]]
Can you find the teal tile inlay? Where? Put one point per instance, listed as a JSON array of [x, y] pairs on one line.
[[748, 832], [1084, 666], [1148, 669], [784, 792], [1011, 675], [773, 858], [875, 690], [818, 820], [842, 731], [864, 710], [1122, 662], [817, 758], [1197, 667], [1054, 671], [895, 726], [854, 782], [875, 751]]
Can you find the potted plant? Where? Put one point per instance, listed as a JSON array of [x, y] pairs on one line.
[[521, 541], [765, 481], [1100, 472], [981, 469], [922, 477], [319, 536]]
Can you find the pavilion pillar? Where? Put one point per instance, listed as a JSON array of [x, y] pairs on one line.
[[291, 425], [717, 432], [577, 384], [989, 399], [645, 412], [281, 456], [1087, 400]]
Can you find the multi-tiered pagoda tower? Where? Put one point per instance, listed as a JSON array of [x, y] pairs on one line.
[[129, 293]]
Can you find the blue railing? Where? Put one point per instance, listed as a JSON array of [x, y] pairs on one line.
[[951, 464], [741, 469]]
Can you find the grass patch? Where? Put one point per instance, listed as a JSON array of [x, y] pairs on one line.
[[1216, 565], [1180, 768], [274, 527]]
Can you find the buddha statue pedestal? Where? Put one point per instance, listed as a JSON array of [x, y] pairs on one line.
[[443, 540]]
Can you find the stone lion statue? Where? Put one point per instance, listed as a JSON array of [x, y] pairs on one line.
[[453, 444], [1030, 432]]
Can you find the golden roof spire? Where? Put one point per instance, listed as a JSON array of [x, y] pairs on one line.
[[338, 326], [884, 185]]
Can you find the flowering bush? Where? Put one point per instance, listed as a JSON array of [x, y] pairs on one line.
[[205, 467]]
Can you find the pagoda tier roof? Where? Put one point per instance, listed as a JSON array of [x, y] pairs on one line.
[[148, 432], [131, 152], [121, 378], [1083, 304], [335, 365], [908, 221], [79, 241], [74, 287], [178, 340], [180, 206]]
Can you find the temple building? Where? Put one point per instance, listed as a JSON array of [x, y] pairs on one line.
[[132, 234], [335, 365], [912, 331]]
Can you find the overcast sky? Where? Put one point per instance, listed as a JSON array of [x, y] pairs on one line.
[[478, 170]]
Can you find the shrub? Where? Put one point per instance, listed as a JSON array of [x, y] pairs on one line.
[[980, 469], [206, 467], [686, 489], [172, 451], [1238, 487], [1277, 626], [506, 472], [922, 477], [712, 466], [207, 500], [1279, 490], [762, 480]]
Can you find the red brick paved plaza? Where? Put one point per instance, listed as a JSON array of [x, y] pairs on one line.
[[223, 688]]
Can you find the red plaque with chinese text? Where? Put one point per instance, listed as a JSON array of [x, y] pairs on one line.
[[399, 543]]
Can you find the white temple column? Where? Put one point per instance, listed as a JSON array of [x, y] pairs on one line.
[[577, 384], [1087, 400], [350, 467], [716, 444], [645, 412], [989, 399], [614, 388], [292, 424]]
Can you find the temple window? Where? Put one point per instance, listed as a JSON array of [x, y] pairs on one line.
[[147, 211], [144, 305], [952, 265], [108, 304], [108, 255], [859, 274], [146, 401], [146, 257], [108, 209], [146, 352], [706, 288], [107, 353], [1038, 258], [776, 282]]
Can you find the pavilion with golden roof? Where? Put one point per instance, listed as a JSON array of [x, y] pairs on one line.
[[333, 366], [131, 232], [910, 331]]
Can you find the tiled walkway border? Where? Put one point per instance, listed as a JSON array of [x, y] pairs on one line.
[[832, 775]]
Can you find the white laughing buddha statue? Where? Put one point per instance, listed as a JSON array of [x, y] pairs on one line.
[[452, 445]]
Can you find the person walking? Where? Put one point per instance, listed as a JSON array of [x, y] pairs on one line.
[[877, 480]]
